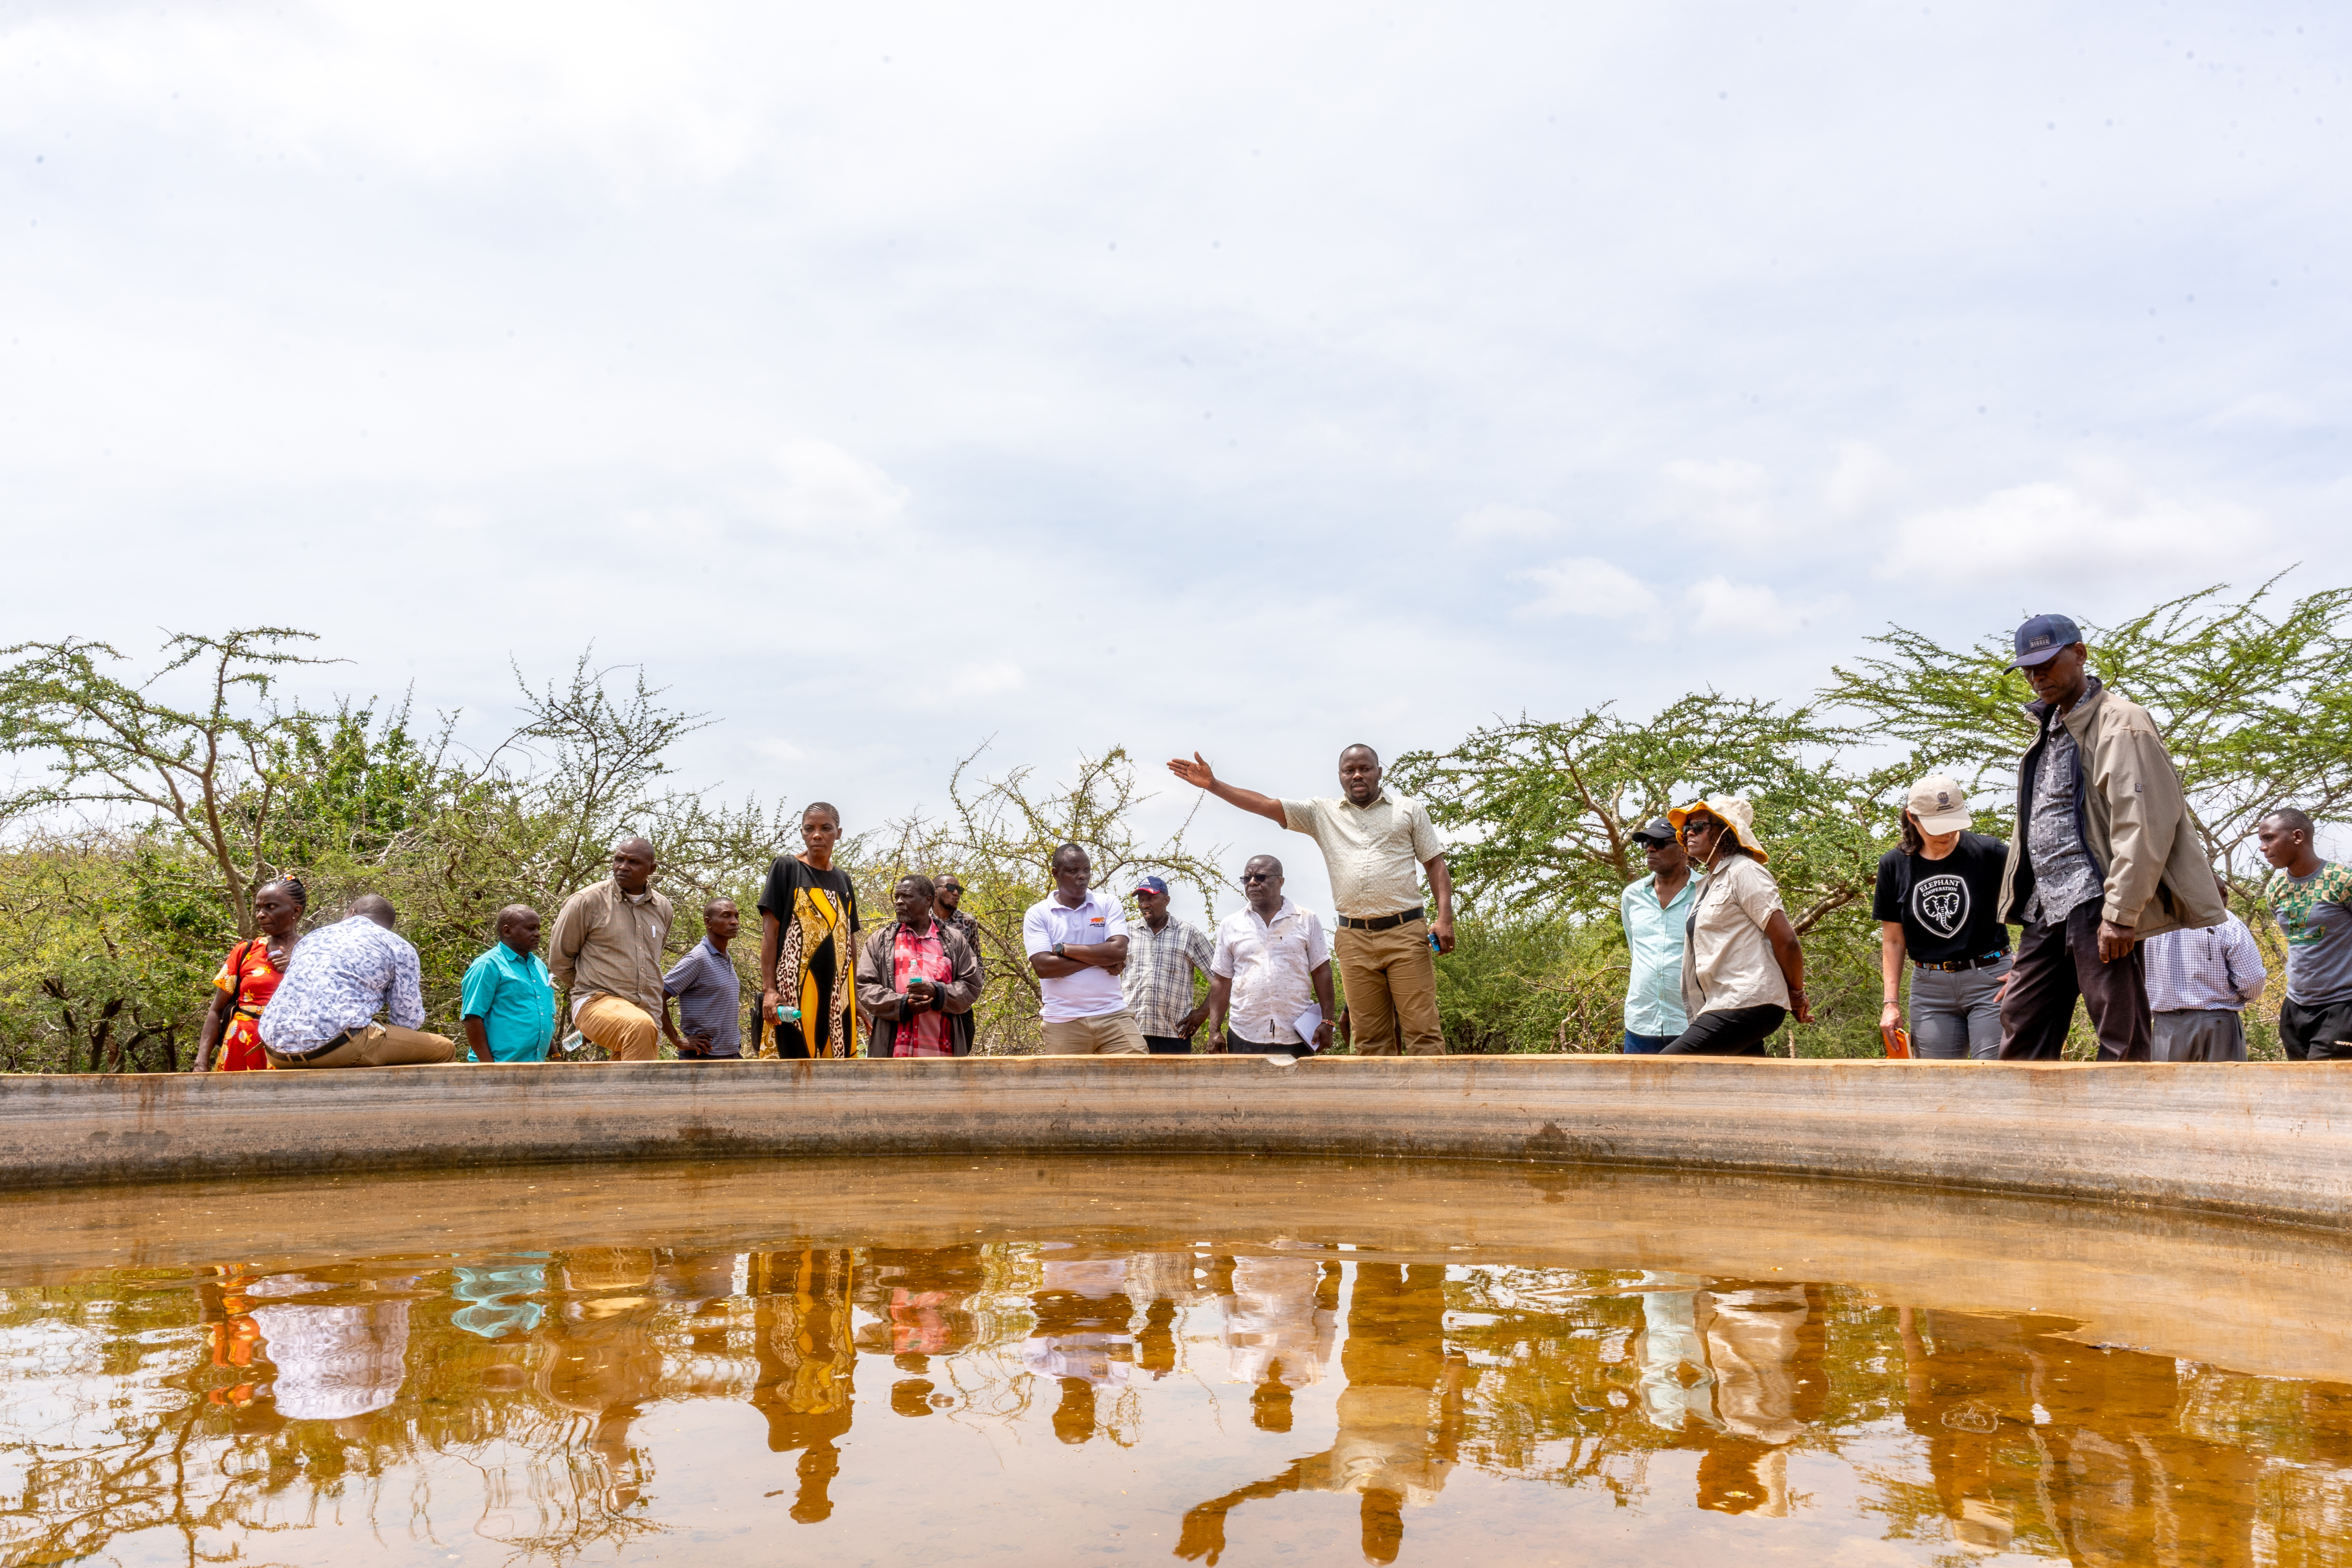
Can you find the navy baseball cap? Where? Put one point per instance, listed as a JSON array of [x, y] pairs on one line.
[[2041, 639], [1152, 885], [1657, 830]]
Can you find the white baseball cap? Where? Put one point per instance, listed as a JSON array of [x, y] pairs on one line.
[[1940, 805]]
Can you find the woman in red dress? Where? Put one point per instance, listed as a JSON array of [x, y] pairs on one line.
[[244, 986]]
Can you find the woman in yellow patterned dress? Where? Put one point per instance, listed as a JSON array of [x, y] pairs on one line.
[[808, 913]]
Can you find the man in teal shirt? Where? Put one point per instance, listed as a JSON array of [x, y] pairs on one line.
[[1657, 910], [508, 1001]]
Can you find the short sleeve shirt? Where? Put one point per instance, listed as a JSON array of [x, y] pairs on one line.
[[1091, 991], [1728, 963], [512, 994], [709, 998], [1374, 853], [2315, 913], [1158, 981], [1272, 965]]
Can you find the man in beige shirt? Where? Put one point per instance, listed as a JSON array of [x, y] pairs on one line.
[[1375, 843], [607, 951]]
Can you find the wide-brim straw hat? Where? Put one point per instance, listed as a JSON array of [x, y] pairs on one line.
[[1729, 810]]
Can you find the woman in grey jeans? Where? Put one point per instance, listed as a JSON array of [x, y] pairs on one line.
[[1937, 905]]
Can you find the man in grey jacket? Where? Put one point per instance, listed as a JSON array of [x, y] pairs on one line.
[[2105, 856]]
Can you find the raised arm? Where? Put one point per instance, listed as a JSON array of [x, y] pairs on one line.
[[1200, 775]]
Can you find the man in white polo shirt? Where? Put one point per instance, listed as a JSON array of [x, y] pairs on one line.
[[1077, 941], [1375, 843], [1273, 968]]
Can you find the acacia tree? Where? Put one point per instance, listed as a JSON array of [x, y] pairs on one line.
[[2253, 699], [1544, 812], [205, 767]]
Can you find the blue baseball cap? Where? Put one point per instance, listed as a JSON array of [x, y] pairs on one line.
[[1152, 885], [2042, 639]]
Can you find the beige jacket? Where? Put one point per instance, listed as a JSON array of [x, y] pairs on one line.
[[2133, 820], [605, 945]]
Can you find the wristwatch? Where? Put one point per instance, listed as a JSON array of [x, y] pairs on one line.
[[1057, 950]]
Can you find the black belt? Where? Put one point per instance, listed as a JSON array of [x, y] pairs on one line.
[[304, 1060], [1384, 922], [1958, 964]]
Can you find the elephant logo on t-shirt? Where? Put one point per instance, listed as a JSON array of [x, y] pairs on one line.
[[1941, 904]]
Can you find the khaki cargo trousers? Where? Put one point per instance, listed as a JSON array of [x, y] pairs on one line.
[[1391, 980]]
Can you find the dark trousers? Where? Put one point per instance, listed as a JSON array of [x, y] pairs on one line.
[[1237, 1046], [1168, 1045], [1646, 1044], [1733, 1032], [2057, 962], [2316, 1034]]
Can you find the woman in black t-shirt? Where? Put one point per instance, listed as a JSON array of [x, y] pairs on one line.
[[1938, 905]]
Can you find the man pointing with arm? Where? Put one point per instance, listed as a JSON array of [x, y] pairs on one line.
[[1374, 844]]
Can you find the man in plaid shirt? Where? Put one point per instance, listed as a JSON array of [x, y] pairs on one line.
[[1161, 955]]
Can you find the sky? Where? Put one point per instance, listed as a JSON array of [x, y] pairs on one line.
[[891, 380]]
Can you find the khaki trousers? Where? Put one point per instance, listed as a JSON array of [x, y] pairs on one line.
[[625, 1029], [1391, 980], [1104, 1035], [377, 1046]]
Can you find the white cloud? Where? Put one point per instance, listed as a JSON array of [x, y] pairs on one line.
[[1864, 479], [777, 749], [993, 678], [1720, 605], [1586, 586], [827, 489], [1728, 497], [1507, 522], [2100, 523]]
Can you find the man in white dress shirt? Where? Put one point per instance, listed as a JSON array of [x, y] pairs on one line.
[[1271, 966]]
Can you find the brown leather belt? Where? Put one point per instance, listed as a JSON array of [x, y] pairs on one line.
[[1384, 922]]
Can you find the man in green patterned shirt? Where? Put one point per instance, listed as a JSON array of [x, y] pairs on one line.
[[2313, 901]]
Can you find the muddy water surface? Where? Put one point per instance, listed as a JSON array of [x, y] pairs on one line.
[[1206, 1359]]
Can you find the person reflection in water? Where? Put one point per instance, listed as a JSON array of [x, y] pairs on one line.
[[1280, 1314], [335, 1362], [2112, 1456], [1401, 1415], [803, 1341], [600, 1357], [1744, 1366], [918, 1298], [1082, 1338]]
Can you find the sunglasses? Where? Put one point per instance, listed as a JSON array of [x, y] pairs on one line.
[[1260, 875]]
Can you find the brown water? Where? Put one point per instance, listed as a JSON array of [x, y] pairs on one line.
[[1238, 1360]]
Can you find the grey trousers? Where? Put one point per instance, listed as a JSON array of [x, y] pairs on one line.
[[1954, 1014], [2219, 1035]]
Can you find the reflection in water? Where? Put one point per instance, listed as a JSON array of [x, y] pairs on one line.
[[1399, 1414], [543, 1394]]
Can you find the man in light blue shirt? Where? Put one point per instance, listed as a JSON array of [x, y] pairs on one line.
[[508, 1000], [1656, 911]]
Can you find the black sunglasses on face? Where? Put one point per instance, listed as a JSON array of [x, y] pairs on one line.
[[1260, 875]]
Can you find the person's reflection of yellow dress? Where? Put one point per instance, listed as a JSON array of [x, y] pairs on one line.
[[1400, 1416], [807, 1358]]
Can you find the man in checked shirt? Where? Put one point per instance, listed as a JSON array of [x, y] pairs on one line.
[[1163, 954]]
